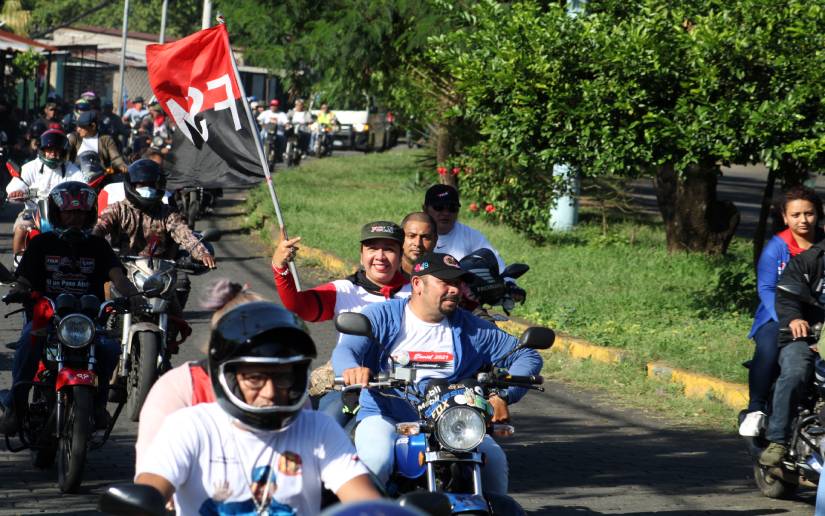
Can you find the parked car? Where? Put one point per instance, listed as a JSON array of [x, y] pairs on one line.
[[364, 130]]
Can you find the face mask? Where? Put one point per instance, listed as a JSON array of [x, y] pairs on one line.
[[51, 162], [146, 192]]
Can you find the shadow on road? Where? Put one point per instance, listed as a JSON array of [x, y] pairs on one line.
[[584, 511]]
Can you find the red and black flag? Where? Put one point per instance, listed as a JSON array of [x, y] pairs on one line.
[[196, 83]]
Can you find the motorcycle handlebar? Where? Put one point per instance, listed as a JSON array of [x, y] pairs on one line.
[[529, 379]]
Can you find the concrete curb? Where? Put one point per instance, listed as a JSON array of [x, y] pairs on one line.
[[694, 385]]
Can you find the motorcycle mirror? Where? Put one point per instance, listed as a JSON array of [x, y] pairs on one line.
[[537, 337], [798, 293], [434, 504], [515, 270], [351, 323], [132, 500], [153, 286], [211, 235]]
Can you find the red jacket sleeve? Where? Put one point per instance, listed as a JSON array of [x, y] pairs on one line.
[[313, 305]]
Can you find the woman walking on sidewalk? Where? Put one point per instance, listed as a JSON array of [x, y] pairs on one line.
[[801, 210]]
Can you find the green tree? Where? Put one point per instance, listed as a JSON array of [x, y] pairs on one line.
[[664, 89]]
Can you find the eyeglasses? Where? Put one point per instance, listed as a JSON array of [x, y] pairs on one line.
[[257, 381], [452, 208]]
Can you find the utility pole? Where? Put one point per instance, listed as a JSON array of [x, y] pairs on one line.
[[206, 21], [163, 9], [123, 57]]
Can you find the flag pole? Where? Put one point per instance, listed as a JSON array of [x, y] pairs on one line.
[[262, 156]]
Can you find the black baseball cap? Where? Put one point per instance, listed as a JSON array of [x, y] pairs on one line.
[[382, 229], [138, 99], [441, 265], [441, 194], [86, 118]]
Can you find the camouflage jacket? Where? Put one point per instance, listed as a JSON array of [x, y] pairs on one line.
[[136, 232]]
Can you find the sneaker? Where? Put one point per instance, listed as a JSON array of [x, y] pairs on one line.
[[753, 424], [773, 454]]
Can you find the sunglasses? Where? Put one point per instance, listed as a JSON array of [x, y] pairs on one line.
[[452, 208], [256, 381]]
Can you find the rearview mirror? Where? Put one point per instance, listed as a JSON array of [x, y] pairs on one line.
[[537, 337], [211, 235], [352, 323], [132, 500], [515, 270]]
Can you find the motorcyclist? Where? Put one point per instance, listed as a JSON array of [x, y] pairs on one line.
[[300, 121], [430, 320], [87, 138], [454, 238], [136, 113], [377, 280], [273, 456], [69, 259], [324, 118], [280, 120], [420, 236], [49, 120], [803, 274], [43, 173], [142, 225], [69, 121], [112, 125]]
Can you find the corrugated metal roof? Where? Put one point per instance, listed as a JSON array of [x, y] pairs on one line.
[[22, 44]]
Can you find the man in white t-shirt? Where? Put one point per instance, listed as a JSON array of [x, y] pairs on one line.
[[255, 451], [446, 342], [276, 117]]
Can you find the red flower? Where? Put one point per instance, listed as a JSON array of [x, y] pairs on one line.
[[456, 170], [490, 208], [442, 171], [473, 207]]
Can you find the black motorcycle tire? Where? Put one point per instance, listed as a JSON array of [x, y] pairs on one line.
[[771, 486], [143, 372], [503, 505], [44, 454], [290, 161], [74, 436]]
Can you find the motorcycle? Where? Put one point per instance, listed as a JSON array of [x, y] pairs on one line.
[[147, 338], [56, 419], [196, 202], [803, 464], [439, 452], [323, 140], [292, 152], [271, 144]]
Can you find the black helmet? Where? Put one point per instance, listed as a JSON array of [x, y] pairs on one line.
[[71, 196], [90, 165], [487, 286], [144, 171], [53, 139], [259, 332]]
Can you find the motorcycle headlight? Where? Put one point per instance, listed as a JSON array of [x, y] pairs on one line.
[[460, 429], [76, 331], [360, 128]]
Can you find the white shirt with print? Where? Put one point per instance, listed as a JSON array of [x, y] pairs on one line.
[[215, 466], [350, 297], [428, 345]]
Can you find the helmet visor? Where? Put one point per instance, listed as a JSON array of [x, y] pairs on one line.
[[265, 385]]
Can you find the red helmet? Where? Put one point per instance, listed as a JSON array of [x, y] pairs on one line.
[[274, 102], [71, 196]]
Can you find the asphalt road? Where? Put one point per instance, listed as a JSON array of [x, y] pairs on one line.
[[573, 452]]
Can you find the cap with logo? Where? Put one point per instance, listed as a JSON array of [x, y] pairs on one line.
[[442, 266], [382, 229], [441, 194]]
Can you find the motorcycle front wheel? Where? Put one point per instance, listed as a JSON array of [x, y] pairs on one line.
[[74, 436], [142, 372], [771, 486], [45, 449]]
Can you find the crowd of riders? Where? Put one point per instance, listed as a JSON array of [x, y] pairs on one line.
[[312, 132], [246, 405]]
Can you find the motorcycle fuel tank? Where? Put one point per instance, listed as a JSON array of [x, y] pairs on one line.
[[408, 448]]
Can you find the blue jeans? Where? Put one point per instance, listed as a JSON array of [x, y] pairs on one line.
[[375, 442], [764, 366], [28, 353], [796, 365]]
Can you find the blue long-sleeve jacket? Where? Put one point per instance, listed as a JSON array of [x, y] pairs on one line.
[[476, 344], [775, 256]]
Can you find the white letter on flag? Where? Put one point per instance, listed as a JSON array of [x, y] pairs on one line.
[[181, 116], [229, 103]]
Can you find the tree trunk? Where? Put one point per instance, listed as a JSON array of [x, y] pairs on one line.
[[444, 150], [764, 212], [694, 219]]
